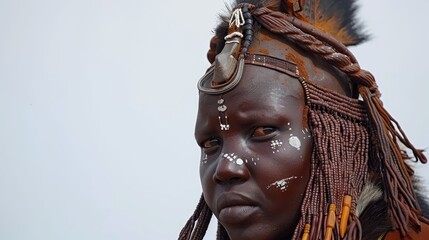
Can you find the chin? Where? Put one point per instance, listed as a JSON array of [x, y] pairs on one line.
[[259, 232]]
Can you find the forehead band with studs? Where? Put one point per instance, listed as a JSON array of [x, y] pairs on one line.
[[227, 69], [283, 66]]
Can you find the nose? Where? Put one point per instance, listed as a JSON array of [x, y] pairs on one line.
[[231, 169]]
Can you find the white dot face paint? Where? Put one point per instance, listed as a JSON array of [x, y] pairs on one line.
[[204, 159], [282, 184], [254, 160], [306, 133], [276, 145], [295, 142], [232, 157]]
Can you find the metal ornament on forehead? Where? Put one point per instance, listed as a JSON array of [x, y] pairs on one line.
[[226, 71], [223, 117]]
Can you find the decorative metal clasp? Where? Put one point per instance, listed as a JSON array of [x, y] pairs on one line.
[[237, 18], [227, 69]]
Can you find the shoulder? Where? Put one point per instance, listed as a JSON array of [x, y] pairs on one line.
[[422, 235]]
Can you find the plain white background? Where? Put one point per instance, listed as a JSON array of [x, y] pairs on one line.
[[98, 101]]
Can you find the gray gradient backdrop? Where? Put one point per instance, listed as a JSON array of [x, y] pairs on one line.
[[98, 101]]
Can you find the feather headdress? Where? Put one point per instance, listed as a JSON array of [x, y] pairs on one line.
[[338, 18]]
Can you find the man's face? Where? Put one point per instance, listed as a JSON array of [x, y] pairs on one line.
[[254, 175]]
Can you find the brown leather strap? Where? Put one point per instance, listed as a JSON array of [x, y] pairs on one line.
[[280, 65]]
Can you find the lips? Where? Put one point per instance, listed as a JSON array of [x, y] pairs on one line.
[[235, 208]]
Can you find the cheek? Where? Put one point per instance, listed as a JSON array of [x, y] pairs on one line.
[[204, 159], [206, 169], [294, 141], [282, 184], [292, 152], [206, 181]]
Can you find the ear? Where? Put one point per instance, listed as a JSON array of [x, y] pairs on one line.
[[332, 16]]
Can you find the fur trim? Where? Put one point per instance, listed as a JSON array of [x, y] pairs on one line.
[[372, 212], [370, 193], [422, 195], [337, 18]]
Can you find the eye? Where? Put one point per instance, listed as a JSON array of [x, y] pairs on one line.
[[264, 133], [211, 145]]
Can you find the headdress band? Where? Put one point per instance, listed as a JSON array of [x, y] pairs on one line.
[[284, 66]]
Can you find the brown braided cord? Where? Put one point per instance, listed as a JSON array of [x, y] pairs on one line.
[[202, 224], [196, 227], [278, 23], [401, 197], [221, 233], [186, 232], [339, 159]]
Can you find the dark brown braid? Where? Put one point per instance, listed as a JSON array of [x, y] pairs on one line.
[[339, 164], [317, 42], [403, 205], [221, 233], [201, 217]]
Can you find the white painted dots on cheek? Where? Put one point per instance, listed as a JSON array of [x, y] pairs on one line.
[[294, 140], [204, 159], [282, 184], [252, 161], [306, 133], [232, 157], [275, 145]]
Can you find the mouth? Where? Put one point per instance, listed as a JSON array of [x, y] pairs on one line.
[[235, 208]]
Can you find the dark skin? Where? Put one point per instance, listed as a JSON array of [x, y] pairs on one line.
[[266, 106]]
